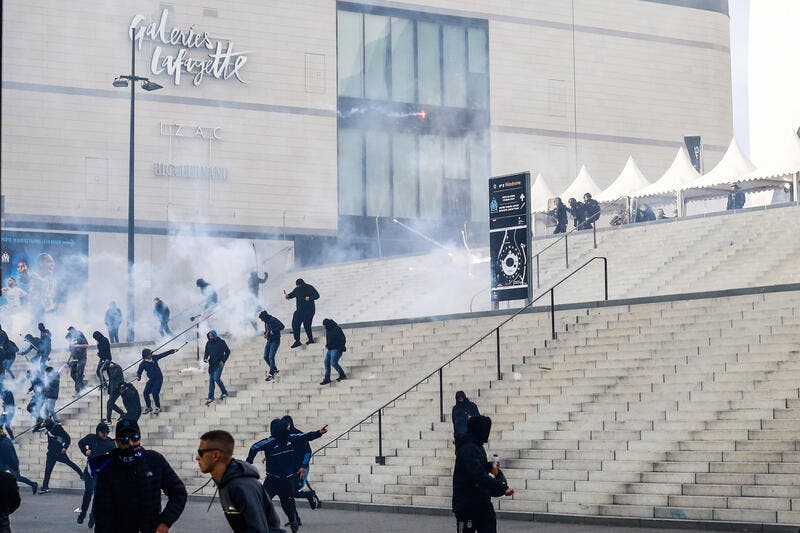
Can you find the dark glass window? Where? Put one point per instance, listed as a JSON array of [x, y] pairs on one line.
[[429, 63], [378, 159], [350, 54], [404, 171], [455, 66], [403, 79], [351, 172], [376, 49]]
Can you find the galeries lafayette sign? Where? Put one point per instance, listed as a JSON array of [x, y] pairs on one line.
[[214, 57]]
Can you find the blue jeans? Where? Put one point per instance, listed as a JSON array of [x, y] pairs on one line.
[[215, 376], [270, 349], [332, 360]]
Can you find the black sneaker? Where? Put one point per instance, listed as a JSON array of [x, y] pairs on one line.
[[313, 500], [147, 410], [296, 344], [223, 396], [81, 517], [324, 381], [341, 378], [91, 520], [44, 491], [269, 377], [210, 401], [35, 487], [310, 341]]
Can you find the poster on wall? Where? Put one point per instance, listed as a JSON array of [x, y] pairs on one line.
[[510, 236], [42, 273]]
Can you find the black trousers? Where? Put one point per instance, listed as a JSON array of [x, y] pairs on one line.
[[51, 461], [76, 371], [101, 365], [111, 405], [89, 483], [284, 488], [113, 335], [22, 479], [303, 319], [560, 228], [479, 519], [163, 327]]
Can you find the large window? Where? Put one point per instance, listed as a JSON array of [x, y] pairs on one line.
[[413, 113]]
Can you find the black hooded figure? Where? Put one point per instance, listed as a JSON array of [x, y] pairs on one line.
[[103, 353], [8, 352], [304, 295], [476, 480], [463, 410], [209, 294]]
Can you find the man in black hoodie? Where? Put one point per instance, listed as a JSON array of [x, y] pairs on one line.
[[77, 357], [281, 477], [9, 462], [58, 441], [93, 445], [302, 456], [116, 378], [335, 346], [209, 294], [130, 480], [216, 353], [8, 352], [161, 311], [103, 354], [131, 402], [304, 295], [463, 410], [476, 480], [272, 332], [244, 501]]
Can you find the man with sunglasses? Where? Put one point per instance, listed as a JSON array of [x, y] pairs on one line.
[[130, 480], [244, 501]]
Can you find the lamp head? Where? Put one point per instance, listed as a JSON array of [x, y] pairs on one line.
[[120, 82], [151, 86]]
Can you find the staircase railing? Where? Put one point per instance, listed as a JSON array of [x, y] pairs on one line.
[[380, 458]]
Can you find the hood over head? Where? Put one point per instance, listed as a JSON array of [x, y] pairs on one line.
[[237, 469], [279, 429], [461, 396], [213, 333], [146, 352], [97, 336], [299, 281], [479, 428], [288, 420], [263, 315], [102, 427], [201, 282], [328, 323], [41, 326]]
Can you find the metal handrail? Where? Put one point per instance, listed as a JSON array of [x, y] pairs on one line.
[[136, 362], [380, 458]]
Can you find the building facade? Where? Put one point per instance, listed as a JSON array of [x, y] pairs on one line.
[[321, 122]]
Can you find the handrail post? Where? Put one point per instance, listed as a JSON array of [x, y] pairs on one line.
[[594, 234], [537, 270], [499, 375], [197, 341], [441, 396], [605, 275], [566, 249], [380, 459], [101, 396], [552, 314]]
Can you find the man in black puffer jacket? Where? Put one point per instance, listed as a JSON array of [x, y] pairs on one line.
[[304, 295], [130, 480], [58, 440], [476, 480], [216, 354], [463, 410], [244, 501], [335, 346]]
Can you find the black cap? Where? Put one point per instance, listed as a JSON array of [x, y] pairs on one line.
[[127, 426]]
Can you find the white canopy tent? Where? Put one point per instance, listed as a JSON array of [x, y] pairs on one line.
[[541, 193], [779, 172], [629, 181], [733, 165], [680, 173], [582, 184]]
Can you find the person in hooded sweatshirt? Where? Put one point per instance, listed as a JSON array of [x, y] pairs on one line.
[[9, 500], [161, 311], [9, 409], [303, 463], [216, 353], [9, 462], [304, 295], [42, 344], [113, 320], [335, 346], [131, 402], [58, 440], [476, 480], [116, 378], [8, 353], [242, 497], [272, 332], [92, 446], [281, 477], [155, 378], [130, 481], [103, 354], [77, 357], [209, 294], [463, 410]]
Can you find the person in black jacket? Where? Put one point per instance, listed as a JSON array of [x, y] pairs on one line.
[[592, 211], [103, 354], [116, 378], [8, 353], [209, 294], [131, 402], [77, 357], [58, 441], [113, 320], [272, 332], [244, 501], [253, 283], [476, 480], [161, 311], [560, 214], [93, 445], [9, 462], [155, 378], [463, 410], [216, 353], [9, 410], [304, 295], [9, 499], [34, 343], [335, 346], [281, 477], [578, 212], [130, 480], [302, 456], [736, 198]]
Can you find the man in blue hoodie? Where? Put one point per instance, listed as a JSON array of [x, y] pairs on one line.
[[216, 353], [244, 501], [279, 451]]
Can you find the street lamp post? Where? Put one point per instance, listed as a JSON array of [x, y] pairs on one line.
[[147, 85]]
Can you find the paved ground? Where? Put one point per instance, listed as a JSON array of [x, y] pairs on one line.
[[54, 512]]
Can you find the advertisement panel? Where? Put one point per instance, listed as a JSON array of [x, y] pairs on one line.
[[510, 236], [42, 272]]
